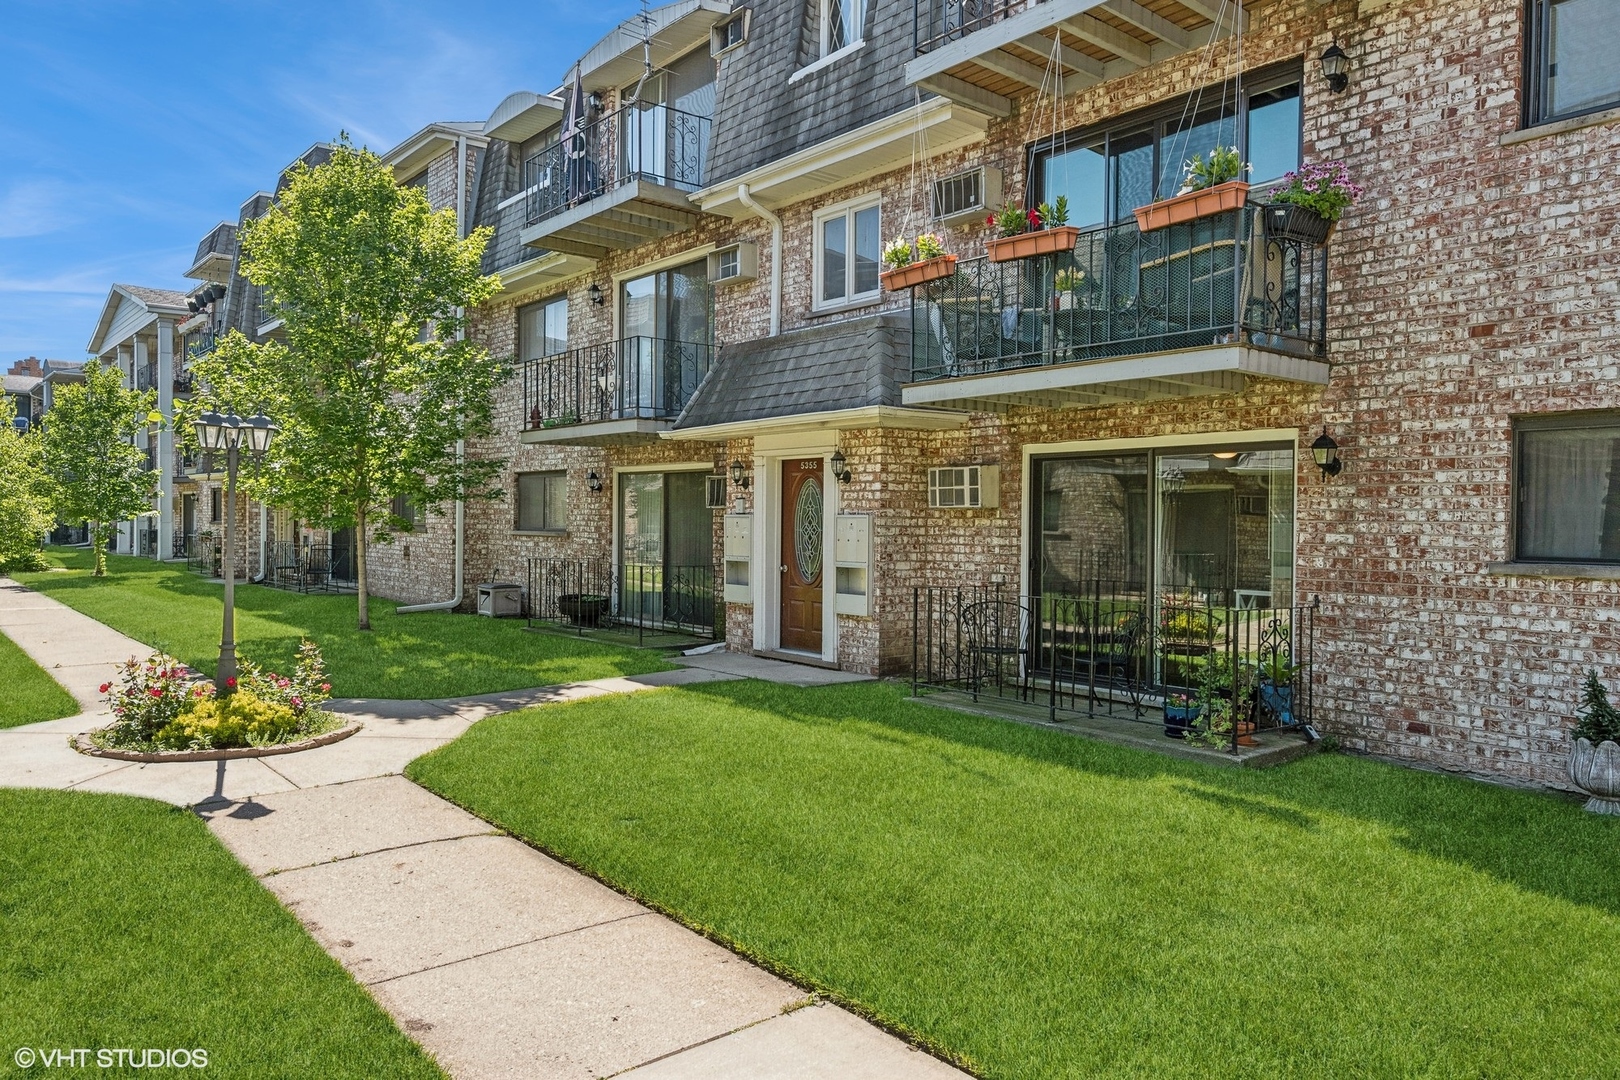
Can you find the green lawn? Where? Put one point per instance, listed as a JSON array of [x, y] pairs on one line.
[[126, 924], [30, 693], [1043, 906], [429, 655]]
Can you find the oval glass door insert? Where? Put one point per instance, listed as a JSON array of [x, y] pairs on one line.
[[807, 530]]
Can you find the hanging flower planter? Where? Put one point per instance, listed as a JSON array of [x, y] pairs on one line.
[[1193, 205], [918, 273], [1299, 223], [1058, 240]]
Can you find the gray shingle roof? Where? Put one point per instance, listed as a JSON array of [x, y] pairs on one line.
[[845, 365], [21, 384], [160, 297]]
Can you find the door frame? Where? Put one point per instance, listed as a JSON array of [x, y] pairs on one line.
[[770, 451]]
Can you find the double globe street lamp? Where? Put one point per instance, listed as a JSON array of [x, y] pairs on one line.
[[231, 434]]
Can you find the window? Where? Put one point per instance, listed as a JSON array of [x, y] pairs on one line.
[[542, 502], [1569, 58], [730, 34], [840, 24], [1108, 172], [847, 253], [403, 508], [1568, 489], [216, 512], [543, 328], [1216, 523]]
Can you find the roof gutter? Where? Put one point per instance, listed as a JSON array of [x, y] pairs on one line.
[[747, 199]]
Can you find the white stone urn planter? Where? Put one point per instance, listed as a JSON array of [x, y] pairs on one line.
[[1596, 771]]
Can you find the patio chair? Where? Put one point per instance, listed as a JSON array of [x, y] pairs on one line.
[[992, 652]]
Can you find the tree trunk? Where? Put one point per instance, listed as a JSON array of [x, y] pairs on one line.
[[98, 544], [360, 569]]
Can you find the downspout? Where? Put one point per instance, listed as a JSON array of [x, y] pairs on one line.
[[461, 446], [747, 200]]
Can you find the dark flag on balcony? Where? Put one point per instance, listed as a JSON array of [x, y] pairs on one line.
[[573, 141]]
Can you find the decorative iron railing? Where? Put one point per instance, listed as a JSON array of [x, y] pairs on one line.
[[1177, 658], [1223, 279], [939, 22], [642, 142], [185, 464], [638, 378], [584, 594], [146, 376], [181, 544]]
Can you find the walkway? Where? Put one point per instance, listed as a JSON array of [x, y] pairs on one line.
[[501, 961]]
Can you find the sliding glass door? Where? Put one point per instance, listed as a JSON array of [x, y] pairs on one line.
[[1215, 525], [666, 550]]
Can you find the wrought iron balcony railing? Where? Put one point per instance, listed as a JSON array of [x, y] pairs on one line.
[[200, 344], [636, 378], [1218, 280], [939, 22], [185, 464], [146, 376], [643, 142]]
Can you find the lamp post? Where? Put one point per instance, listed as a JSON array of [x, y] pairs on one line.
[[231, 434]]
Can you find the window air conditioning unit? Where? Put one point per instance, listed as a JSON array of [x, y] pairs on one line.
[[964, 487], [966, 195], [739, 262]]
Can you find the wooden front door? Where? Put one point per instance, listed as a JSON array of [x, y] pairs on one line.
[[802, 547]]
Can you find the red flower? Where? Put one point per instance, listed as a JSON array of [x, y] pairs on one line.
[[105, 687], [156, 691], [325, 686], [231, 682]]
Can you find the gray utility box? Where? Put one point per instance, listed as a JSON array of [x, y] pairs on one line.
[[500, 600]]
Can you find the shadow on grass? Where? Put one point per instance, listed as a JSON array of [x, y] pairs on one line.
[[1538, 842]]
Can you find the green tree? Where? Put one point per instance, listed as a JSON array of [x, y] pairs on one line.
[[375, 384], [25, 501], [98, 476]]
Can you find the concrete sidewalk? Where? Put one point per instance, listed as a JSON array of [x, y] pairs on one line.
[[500, 961]]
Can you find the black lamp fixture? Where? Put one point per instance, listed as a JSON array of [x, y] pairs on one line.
[[1335, 68], [595, 293], [840, 467], [739, 475], [593, 481], [1326, 453]]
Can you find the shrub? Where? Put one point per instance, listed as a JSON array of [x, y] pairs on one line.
[[1598, 719], [304, 690], [239, 719], [897, 254], [149, 694]]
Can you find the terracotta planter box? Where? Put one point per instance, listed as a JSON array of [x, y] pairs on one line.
[[919, 273], [1193, 205], [1054, 241]]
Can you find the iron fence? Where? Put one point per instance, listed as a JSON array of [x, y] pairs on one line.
[[939, 22], [642, 142], [1178, 658], [70, 535], [584, 594], [181, 543], [146, 376], [1222, 279], [204, 553], [636, 378], [305, 567]]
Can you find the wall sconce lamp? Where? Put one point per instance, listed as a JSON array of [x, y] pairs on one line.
[[1335, 68], [739, 475], [595, 293], [840, 467], [1326, 453], [593, 481]]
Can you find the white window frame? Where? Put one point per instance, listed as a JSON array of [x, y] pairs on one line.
[[545, 302], [854, 33], [845, 210], [855, 43]]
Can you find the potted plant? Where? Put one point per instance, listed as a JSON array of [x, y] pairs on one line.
[[583, 609], [1025, 234], [931, 263], [1277, 687], [1224, 699], [1312, 203], [1065, 284], [1594, 756], [1211, 186], [1181, 712]]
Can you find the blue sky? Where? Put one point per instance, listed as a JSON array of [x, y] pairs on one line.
[[128, 130]]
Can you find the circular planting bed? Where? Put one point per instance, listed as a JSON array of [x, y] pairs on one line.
[[83, 745]]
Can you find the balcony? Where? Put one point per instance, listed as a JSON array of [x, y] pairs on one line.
[[620, 392], [186, 466], [146, 376], [988, 53], [1192, 309], [625, 181]]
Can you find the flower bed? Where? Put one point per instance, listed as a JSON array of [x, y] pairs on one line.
[[160, 706]]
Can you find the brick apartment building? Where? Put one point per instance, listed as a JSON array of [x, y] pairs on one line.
[[690, 286]]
